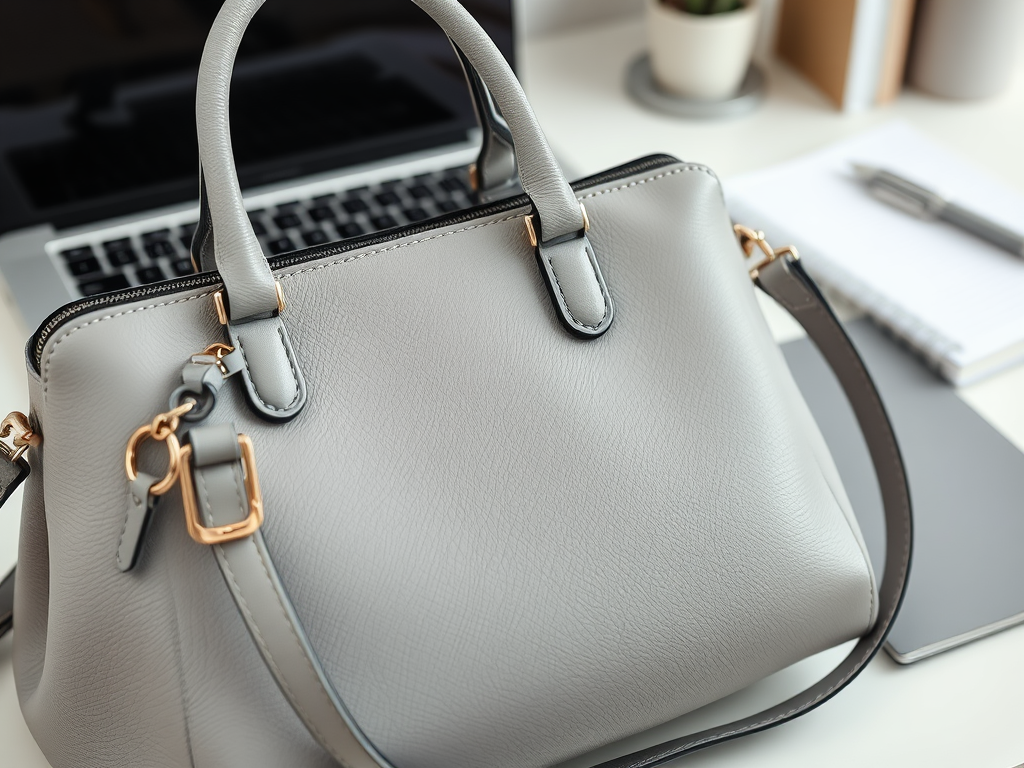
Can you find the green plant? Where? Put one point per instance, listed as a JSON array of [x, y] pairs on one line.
[[705, 7]]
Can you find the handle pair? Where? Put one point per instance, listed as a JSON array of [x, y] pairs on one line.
[[569, 263]]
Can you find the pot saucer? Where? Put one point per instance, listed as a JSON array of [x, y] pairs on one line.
[[642, 86]]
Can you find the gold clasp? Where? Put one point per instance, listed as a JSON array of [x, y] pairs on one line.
[[222, 534], [751, 238], [222, 310], [17, 436], [531, 231], [161, 429]]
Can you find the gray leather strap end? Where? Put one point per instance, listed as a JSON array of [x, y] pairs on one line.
[[577, 286], [12, 474], [7, 603], [274, 384], [265, 606], [136, 521]]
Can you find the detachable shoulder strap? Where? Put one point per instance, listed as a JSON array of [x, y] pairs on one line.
[[274, 625]]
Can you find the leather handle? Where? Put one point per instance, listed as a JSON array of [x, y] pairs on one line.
[[245, 271]]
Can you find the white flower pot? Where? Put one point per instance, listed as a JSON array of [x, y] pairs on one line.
[[701, 57]]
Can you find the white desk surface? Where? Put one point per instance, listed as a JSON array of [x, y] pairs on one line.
[[961, 708]]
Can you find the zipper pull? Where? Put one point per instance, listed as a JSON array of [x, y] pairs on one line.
[[145, 490]]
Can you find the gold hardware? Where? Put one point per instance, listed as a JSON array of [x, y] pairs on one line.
[[532, 233], [218, 303], [751, 238], [17, 436], [222, 313], [161, 429], [223, 533], [218, 351], [474, 178]]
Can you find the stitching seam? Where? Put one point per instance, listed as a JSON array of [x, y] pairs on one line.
[[291, 363], [357, 256]]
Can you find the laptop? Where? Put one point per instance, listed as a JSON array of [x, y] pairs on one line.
[[349, 117]]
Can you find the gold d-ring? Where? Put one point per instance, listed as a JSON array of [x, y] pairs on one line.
[[173, 452], [162, 429]]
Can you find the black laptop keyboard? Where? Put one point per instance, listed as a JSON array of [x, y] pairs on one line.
[[162, 254]]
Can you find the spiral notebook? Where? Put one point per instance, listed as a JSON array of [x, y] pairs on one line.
[[955, 300]]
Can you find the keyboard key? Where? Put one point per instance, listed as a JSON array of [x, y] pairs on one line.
[[388, 198], [258, 227], [149, 274], [186, 243], [315, 237], [122, 256], [390, 183], [448, 205], [324, 199], [287, 207], [182, 267], [420, 191], [287, 221], [189, 229], [281, 245], [120, 252], [77, 254], [104, 285], [158, 248], [84, 267], [454, 184], [160, 234], [383, 222], [321, 213], [355, 205], [416, 214], [350, 229]]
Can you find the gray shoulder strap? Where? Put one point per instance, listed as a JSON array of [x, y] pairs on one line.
[[264, 604]]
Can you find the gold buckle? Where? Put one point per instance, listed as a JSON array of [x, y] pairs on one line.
[[752, 238], [222, 534], [222, 312], [532, 233], [17, 436]]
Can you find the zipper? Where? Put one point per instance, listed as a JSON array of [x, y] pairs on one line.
[[70, 311]]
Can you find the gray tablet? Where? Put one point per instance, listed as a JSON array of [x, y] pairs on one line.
[[966, 486]]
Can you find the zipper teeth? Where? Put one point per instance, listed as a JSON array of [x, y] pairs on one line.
[[58, 319]]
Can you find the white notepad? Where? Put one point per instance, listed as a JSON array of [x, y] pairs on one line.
[[953, 298]]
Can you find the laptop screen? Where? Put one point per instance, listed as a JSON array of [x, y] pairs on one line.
[[97, 97]]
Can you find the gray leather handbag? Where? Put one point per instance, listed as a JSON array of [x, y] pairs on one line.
[[487, 492]]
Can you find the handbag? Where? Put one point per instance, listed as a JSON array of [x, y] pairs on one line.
[[491, 490]]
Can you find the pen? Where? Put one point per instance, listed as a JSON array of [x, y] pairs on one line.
[[926, 204]]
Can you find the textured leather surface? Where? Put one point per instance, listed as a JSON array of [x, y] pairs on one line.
[[258, 584], [508, 546], [786, 281]]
